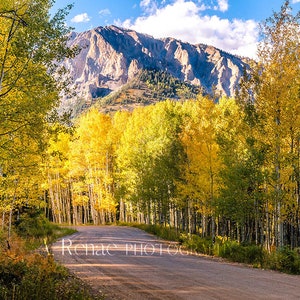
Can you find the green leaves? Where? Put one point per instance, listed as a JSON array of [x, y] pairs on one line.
[[150, 153], [30, 46]]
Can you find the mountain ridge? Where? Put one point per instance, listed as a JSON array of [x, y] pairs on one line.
[[111, 57]]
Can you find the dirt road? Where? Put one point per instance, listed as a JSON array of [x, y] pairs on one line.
[[127, 263]]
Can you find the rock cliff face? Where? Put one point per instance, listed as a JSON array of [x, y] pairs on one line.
[[111, 57]]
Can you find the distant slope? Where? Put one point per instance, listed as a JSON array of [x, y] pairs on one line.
[[112, 58], [148, 87]]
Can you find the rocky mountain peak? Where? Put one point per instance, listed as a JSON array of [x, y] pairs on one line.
[[111, 56]]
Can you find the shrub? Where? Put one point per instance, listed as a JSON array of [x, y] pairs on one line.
[[163, 232], [197, 244], [33, 224], [255, 255], [38, 277], [233, 251], [249, 254], [284, 260], [36, 229]]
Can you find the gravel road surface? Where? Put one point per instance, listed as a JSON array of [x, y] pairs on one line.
[[127, 263]]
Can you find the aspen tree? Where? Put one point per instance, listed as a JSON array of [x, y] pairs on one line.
[[199, 185], [273, 86], [31, 45], [278, 104]]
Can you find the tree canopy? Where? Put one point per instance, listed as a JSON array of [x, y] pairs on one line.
[[31, 46], [227, 168]]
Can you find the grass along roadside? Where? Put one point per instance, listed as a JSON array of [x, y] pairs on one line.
[[28, 273], [284, 260]]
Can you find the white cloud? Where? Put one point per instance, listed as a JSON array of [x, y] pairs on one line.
[[223, 5], [295, 1], [185, 20], [82, 18], [104, 12], [149, 6], [145, 3]]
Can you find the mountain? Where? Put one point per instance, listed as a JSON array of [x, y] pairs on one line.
[[113, 58]]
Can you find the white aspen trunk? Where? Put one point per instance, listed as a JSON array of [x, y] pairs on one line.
[[171, 213], [203, 217], [51, 197], [278, 190], [189, 217], [238, 232], [152, 212], [273, 230], [3, 220], [9, 224], [148, 221], [256, 223], [86, 213], [267, 242], [122, 211]]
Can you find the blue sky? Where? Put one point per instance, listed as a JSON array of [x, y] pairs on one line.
[[231, 25]]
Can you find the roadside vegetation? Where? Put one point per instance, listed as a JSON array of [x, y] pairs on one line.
[[284, 260], [27, 268], [32, 45]]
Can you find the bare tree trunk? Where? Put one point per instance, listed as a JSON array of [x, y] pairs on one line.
[[189, 219], [3, 220], [122, 211], [267, 241], [203, 218]]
